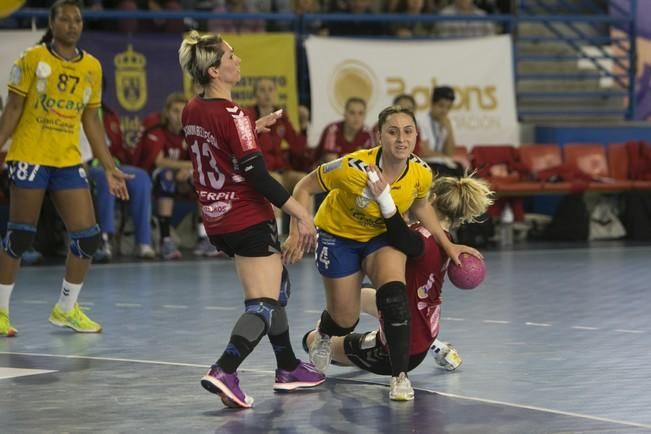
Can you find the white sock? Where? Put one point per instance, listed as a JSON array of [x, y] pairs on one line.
[[5, 295], [201, 231], [69, 295]]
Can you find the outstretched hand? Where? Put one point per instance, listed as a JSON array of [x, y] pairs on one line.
[[264, 124], [117, 182]]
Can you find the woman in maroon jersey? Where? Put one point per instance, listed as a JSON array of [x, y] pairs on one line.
[[235, 194], [456, 201]]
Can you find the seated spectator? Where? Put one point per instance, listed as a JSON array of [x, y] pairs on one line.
[[131, 25], [302, 7], [356, 28], [284, 149], [464, 29], [139, 187], [236, 26], [343, 137], [437, 135], [163, 151], [410, 29]]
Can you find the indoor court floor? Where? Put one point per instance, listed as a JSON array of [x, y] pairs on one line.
[[554, 341]]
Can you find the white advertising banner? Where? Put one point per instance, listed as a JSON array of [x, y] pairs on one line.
[[480, 70], [14, 42]]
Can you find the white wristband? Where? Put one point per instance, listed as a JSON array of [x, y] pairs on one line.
[[386, 203]]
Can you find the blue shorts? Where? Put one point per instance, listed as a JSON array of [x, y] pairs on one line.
[[339, 257], [25, 175]]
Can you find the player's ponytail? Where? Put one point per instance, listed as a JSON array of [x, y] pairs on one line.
[[461, 200], [198, 53], [47, 37]]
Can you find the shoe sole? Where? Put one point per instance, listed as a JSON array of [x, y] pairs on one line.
[[64, 325], [11, 333], [289, 387], [215, 386], [401, 397]]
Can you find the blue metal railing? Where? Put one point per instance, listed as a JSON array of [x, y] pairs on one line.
[[528, 11]]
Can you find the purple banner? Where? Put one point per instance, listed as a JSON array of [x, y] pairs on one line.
[[140, 70]]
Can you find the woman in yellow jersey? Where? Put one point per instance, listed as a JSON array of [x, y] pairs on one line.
[[54, 88], [352, 241]]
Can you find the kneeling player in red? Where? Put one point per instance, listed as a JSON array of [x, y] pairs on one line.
[[456, 201]]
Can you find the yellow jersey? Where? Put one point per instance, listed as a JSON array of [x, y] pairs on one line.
[[56, 93], [349, 210]]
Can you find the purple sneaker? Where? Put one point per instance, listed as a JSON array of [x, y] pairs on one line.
[[304, 376], [227, 386]]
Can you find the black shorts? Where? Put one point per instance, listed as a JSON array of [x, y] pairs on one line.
[[255, 241], [367, 352]]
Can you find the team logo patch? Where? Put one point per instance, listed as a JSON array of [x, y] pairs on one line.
[[362, 202], [43, 71], [333, 165], [15, 75], [86, 96], [216, 210]]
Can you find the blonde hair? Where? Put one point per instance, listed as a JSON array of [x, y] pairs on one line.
[[198, 53], [461, 200]]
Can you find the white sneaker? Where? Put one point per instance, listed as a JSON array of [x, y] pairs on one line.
[[401, 389], [446, 356], [320, 351], [145, 251]]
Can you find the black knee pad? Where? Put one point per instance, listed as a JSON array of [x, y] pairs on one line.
[[84, 244], [165, 183], [19, 239], [392, 302], [279, 323], [329, 327]]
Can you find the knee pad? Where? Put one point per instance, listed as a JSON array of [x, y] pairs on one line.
[[279, 323], [84, 244], [285, 288], [329, 327], [18, 239], [264, 308], [165, 183], [392, 302]]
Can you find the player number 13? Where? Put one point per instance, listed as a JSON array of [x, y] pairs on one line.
[[215, 177]]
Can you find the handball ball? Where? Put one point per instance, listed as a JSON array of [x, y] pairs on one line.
[[469, 274]]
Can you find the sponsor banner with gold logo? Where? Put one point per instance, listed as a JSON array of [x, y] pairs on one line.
[[480, 70]]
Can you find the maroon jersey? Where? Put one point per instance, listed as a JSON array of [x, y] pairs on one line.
[[425, 275], [282, 146], [333, 141], [159, 139], [218, 134]]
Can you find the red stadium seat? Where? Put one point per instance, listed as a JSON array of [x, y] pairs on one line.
[[591, 159], [461, 156]]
